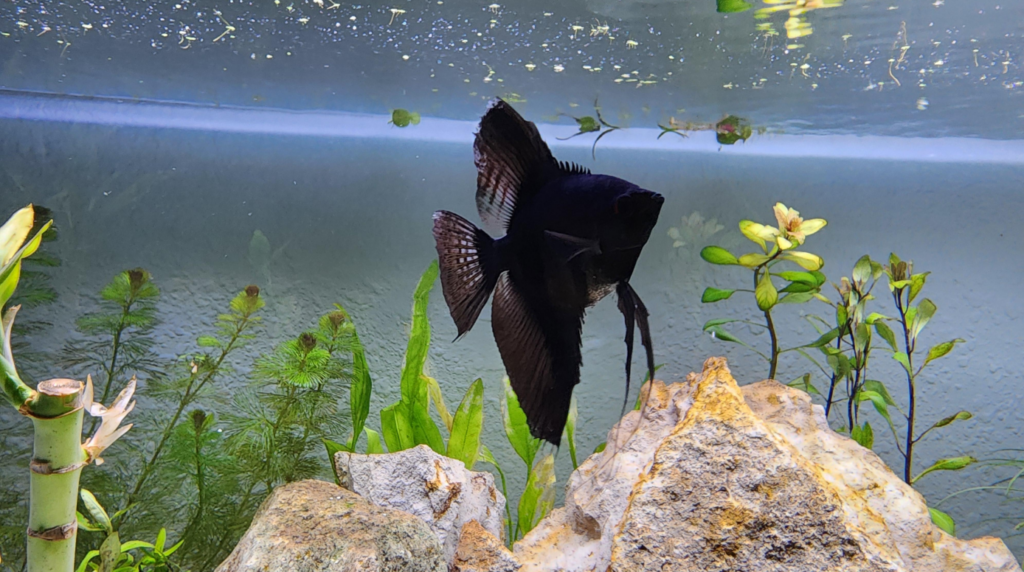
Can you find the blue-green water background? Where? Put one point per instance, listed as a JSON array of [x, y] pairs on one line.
[[168, 153]]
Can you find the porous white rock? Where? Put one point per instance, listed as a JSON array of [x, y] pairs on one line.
[[719, 478], [439, 490]]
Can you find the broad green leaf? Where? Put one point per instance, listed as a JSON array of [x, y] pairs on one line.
[[731, 6], [879, 388], [864, 436], [85, 524], [941, 350], [943, 521], [10, 271], [424, 430], [719, 334], [874, 317], [862, 271], [516, 427], [862, 336], [434, 390], [925, 310], [414, 390], [952, 464], [86, 560], [819, 277], [797, 276], [539, 495], [110, 550], [208, 342], [333, 447], [885, 332], [360, 388], [765, 293], [467, 425], [14, 232], [570, 431], [799, 288], [600, 447], [878, 401], [99, 516], [824, 339], [916, 284], [902, 358], [718, 255], [756, 232], [717, 322], [715, 294], [804, 382], [753, 260], [805, 259], [839, 364], [396, 427], [373, 445], [796, 298], [161, 538], [958, 416]]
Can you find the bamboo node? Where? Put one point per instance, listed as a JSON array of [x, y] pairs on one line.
[[57, 533], [44, 468]]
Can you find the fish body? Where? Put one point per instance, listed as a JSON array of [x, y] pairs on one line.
[[571, 238]]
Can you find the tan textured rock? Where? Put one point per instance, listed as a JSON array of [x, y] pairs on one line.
[[439, 490], [719, 478], [313, 526], [481, 551]]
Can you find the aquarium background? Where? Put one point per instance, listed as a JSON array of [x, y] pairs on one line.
[[164, 136]]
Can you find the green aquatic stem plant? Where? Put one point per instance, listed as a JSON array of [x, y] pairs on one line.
[[56, 408], [777, 245], [115, 555]]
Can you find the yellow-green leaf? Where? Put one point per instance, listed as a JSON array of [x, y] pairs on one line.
[[753, 260], [570, 431], [943, 521], [758, 233], [516, 427], [953, 464], [467, 425], [941, 350], [717, 255], [434, 390], [14, 232], [373, 445], [715, 294], [958, 416], [765, 293], [539, 496], [805, 259]]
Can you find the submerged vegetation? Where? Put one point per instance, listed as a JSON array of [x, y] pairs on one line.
[[848, 341]]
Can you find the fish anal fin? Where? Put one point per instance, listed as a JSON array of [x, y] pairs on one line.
[[469, 267], [512, 161], [540, 348], [570, 246]]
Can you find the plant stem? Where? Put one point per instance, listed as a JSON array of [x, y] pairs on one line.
[[832, 385], [121, 326], [774, 361], [57, 460], [908, 454]]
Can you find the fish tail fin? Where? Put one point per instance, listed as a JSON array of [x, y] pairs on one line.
[[469, 267]]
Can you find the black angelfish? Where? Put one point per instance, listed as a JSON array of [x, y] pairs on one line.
[[571, 238]]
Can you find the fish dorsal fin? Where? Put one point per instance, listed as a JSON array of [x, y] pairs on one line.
[[570, 168], [540, 347], [512, 161]]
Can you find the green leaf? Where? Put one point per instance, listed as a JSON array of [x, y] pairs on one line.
[[10, 271], [161, 538], [135, 544], [765, 293], [904, 361], [424, 430], [925, 310], [864, 436], [516, 427], [414, 390], [862, 271], [943, 521], [839, 364], [539, 495], [85, 524], [715, 294], [730, 6], [334, 447], [796, 298], [941, 350], [874, 317], [600, 447], [885, 332], [879, 388], [396, 427], [110, 550], [824, 339], [570, 431], [86, 560], [720, 334], [807, 278], [717, 322], [718, 255], [958, 416], [916, 284], [806, 260], [467, 425], [434, 390], [208, 342], [804, 382], [878, 401], [753, 260], [862, 336], [952, 464], [99, 516], [373, 445], [799, 288], [360, 388], [174, 548]]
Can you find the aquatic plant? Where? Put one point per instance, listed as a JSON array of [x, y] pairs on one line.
[[777, 245], [588, 124], [116, 555], [404, 118], [56, 408]]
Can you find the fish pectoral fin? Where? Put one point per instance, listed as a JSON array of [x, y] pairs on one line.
[[540, 347], [469, 267], [633, 309], [569, 246]]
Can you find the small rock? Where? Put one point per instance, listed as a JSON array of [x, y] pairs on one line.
[[313, 526], [437, 489], [481, 551]]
